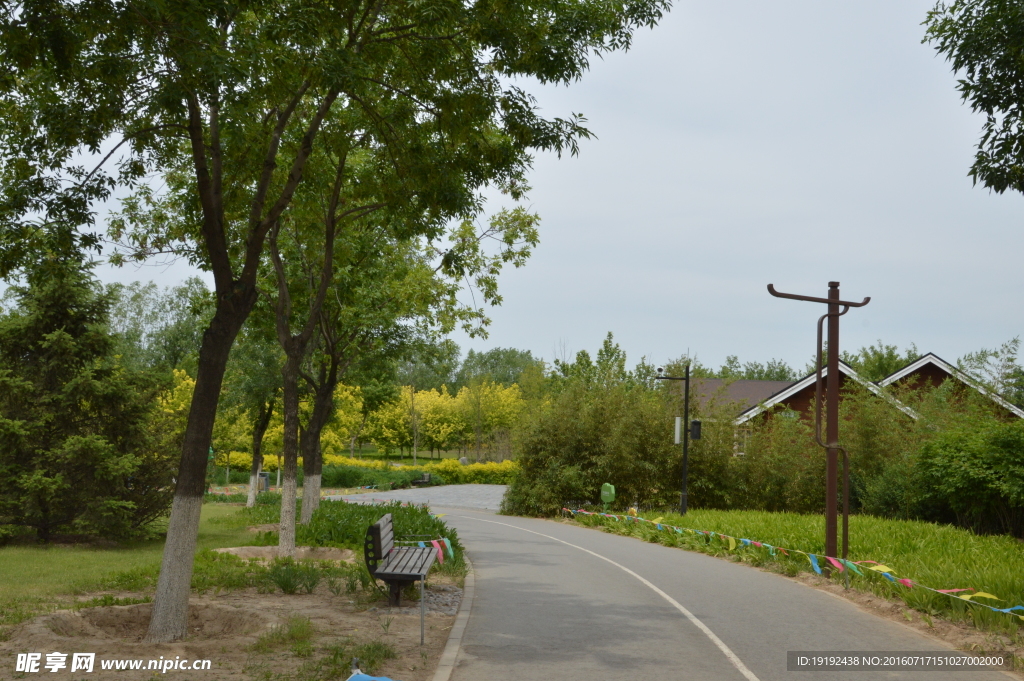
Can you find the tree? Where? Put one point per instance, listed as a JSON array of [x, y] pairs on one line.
[[430, 366], [76, 454], [983, 39], [875, 362], [499, 365], [604, 423], [233, 97], [999, 370], [161, 329]]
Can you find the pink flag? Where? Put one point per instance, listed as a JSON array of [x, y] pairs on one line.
[[440, 554]]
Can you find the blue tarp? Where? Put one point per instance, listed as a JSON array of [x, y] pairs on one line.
[[359, 676]]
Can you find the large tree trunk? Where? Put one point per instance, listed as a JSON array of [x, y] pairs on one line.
[[290, 374], [170, 603], [258, 431]]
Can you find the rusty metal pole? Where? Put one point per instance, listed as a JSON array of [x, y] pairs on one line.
[[832, 421], [831, 443]]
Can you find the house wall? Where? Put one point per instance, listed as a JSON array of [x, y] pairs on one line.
[[928, 376]]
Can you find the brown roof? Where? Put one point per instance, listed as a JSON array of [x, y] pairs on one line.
[[743, 393]]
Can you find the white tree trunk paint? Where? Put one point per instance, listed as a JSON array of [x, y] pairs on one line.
[[286, 536], [310, 496], [173, 586]]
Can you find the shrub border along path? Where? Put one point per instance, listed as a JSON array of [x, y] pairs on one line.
[[735, 543]]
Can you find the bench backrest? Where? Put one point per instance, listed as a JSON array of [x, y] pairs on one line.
[[380, 539]]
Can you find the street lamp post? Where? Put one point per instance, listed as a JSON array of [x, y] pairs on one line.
[[686, 428], [831, 442]]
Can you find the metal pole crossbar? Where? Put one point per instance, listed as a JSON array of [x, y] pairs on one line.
[[831, 445]]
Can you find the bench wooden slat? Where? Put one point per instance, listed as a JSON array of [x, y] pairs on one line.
[[402, 560], [399, 560], [410, 563]]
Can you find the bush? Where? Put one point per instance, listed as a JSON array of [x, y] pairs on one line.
[[978, 475], [343, 525], [603, 424], [451, 472]]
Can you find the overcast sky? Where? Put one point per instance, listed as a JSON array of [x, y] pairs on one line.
[[746, 143]]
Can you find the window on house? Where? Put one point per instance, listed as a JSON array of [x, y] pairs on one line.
[[741, 437]]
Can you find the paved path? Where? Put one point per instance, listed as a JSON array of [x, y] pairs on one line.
[[550, 605], [487, 497]]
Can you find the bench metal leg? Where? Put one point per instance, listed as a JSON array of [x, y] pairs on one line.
[[423, 606], [394, 594]]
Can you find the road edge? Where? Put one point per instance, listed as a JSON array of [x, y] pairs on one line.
[[449, 658]]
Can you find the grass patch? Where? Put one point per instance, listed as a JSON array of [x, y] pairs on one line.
[[296, 632], [938, 556], [40, 571], [36, 579]]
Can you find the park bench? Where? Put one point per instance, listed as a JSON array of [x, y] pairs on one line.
[[396, 566], [425, 480]]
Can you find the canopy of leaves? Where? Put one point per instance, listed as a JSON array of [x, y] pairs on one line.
[[984, 41]]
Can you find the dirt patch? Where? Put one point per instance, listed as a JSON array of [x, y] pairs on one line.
[[224, 628], [269, 553]]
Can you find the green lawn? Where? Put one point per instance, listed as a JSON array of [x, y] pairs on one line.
[[31, 577]]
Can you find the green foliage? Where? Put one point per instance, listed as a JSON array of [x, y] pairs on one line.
[[998, 370], [296, 631], [979, 475], [875, 362], [603, 424], [340, 524], [732, 369], [160, 329], [358, 476], [75, 451], [774, 370], [982, 40], [285, 574], [498, 365]]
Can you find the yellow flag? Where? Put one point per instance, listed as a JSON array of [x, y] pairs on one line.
[[732, 544], [980, 594], [882, 568], [657, 520]]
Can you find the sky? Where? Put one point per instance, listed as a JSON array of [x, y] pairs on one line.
[[746, 143]]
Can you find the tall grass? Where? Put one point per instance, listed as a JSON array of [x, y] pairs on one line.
[[938, 556]]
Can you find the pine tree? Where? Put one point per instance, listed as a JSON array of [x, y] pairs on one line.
[[75, 451]]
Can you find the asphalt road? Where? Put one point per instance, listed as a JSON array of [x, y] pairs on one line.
[[555, 601]]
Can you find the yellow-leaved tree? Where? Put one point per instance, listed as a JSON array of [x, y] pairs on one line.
[[490, 410], [389, 426], [441, 422], [338, 435]]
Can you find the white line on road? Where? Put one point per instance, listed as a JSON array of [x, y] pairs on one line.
[[726, 650]]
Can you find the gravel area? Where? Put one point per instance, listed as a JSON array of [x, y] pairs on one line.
[[443, 599]]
